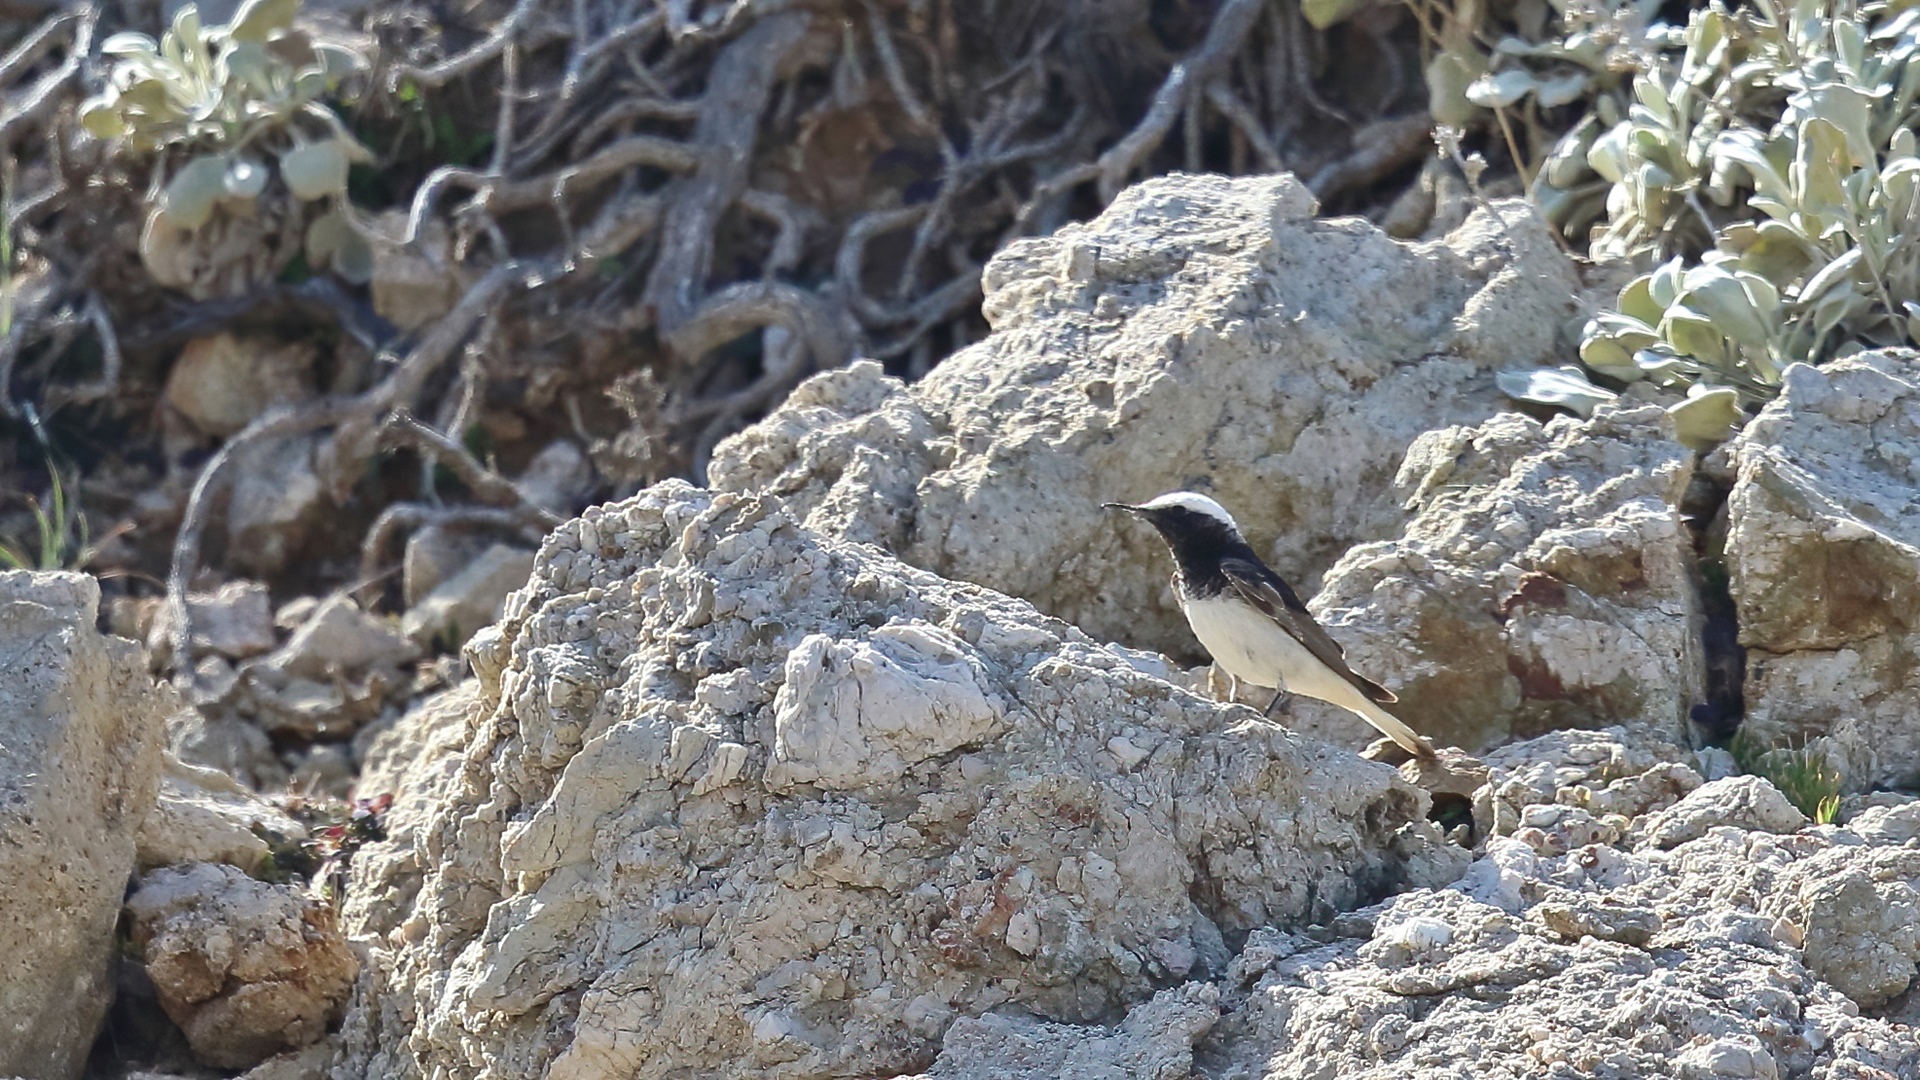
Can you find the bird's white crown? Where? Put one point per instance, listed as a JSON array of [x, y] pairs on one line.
[[1196, 502]]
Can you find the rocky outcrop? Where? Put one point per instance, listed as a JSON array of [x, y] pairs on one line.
[[1544, 582], [740, 800], [1823, 548], [245, 968], [1202, 332], [81, 727], [1741, 952], [417, 763]]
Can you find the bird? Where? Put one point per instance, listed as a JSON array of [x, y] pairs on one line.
[[1252, 622]]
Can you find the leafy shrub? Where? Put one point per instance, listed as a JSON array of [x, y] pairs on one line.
[[1770, 171], [228, 110]]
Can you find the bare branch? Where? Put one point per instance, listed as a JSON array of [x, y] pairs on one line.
[[1243, 120], [1230, 27], [403, 429], [504, 197], [738, 87], [455, 66], [1378, 149], [34, 46]]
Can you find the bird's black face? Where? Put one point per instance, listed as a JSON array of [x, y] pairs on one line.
[[1185, 529]]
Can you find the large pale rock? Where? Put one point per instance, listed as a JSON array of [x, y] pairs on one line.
[[1201, 332], [737, 800], [81, 728], [1570, 789], [1663, 964], [245, 968], [1823, 547], [1544, 582], [1743, 802]]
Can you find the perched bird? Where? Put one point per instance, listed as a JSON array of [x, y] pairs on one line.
[[1250, 620]]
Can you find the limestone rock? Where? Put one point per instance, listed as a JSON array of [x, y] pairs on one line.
[[1739, 953], [222, 383], [81, 727], [234, 621], [413, 284], [1155, 1042], [339, 637], [204, 815], [1544, 582], [1569, 789], [558, 477], [434, 554], [416, 761], [1201, 332], [1823, 549], [246, 969], [469, 599], [630, 877], [228, 745], [276, 499], [1597, 962], [1743, 802]]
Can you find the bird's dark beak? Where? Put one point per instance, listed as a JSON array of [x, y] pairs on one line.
[[1128, 507]]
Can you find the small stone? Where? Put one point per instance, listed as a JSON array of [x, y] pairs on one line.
[[234, 621], [276, 500], [433, 555], [1023, 933], [557, 478], [206, 816], [469, 599], [223, 382], [411, 290], [341, 637], [245, 968]]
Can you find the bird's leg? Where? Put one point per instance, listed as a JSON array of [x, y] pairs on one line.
[[1278, 694], [1233, 689]]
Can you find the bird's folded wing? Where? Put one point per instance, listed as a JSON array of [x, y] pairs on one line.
[[1265, 590]]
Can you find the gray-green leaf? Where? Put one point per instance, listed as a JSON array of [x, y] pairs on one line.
[[1566, 387]]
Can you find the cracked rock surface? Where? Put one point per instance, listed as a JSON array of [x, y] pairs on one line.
[[1544, 582], [658, 858], [245, 968], [1823, 546], [81, 728]]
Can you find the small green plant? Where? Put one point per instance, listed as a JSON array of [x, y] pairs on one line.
[[62, 537], [1804, 776], [229, 110], [1769, 174]]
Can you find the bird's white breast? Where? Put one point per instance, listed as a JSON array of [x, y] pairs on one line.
[[1253, 648]]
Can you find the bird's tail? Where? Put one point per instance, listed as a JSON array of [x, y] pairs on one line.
[[1391, 726]]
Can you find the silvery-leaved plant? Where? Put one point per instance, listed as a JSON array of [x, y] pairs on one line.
[[1771, 173], [250, 164]]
